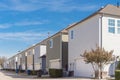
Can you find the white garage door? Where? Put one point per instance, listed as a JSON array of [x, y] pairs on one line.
[[55, 64], [82, 69]]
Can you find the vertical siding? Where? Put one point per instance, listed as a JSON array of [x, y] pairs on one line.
[[110, 41], [30, 59], [23, 61], [53, 53], [85, 37]]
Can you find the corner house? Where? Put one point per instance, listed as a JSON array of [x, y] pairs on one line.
[[101, 28]]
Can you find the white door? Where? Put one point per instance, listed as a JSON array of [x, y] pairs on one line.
[[82, 69]]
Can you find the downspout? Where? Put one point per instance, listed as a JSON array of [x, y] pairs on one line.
[[101, 31], [26, 61], [100, 44], [61, 58], [33, 60]]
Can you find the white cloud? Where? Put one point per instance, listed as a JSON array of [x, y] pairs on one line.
[[4, 26], [24, 36], [22, 23], [54, 5], [27, 23]]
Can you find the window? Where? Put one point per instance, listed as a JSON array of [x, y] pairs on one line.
[[111, 25], [71, 34], [51, 43], [118, 26]]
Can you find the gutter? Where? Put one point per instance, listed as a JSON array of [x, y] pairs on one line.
[[101, 30]]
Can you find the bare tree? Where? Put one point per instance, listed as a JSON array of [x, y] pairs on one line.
[[2, 60], [98, 58]]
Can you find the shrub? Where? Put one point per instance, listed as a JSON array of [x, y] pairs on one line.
[[118, 65], [117, 74], [55, 73]]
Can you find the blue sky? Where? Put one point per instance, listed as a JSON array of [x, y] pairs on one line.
[[27, 22]]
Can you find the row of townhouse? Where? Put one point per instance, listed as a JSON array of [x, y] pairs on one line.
[[31, 59], [63, 49], [49, 53]]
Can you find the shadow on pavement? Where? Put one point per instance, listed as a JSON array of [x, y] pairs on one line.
[[14, 75]]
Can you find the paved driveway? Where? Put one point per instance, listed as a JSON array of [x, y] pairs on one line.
[[5, 75]]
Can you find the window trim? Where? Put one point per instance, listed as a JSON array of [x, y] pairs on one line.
[[71, 34], [51, 43], [111, 25], [118, 26]]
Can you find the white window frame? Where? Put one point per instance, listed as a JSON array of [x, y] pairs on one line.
[[51, 43], [118, 26], [111, 24], [71, 34]]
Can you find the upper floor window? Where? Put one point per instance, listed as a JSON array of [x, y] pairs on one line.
[[71, 34], [118, 26], [51, 43], [111, 25]]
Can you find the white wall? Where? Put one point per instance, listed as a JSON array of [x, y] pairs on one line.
[[86, 36], [40, 50], [110, 41]]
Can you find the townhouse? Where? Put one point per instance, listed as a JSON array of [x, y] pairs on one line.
[[57, 51], [101, 28]]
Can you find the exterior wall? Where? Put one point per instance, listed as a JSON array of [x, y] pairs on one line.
[[23, 61], [37, 57], [19, 61], [12, 63], [16, 62], [55, 51], [85, 37], [55, 64], [109, 38], [30, 59], [110, 41], [40, 50]]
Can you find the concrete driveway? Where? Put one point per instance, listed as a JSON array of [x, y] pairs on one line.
[[8, 75]]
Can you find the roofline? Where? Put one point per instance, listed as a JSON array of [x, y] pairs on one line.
[[95, 13], [38, 43]]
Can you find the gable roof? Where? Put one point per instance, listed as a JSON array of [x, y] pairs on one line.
[[111, 9], [108, 9]]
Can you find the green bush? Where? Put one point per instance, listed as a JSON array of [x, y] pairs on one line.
[[118, 66], [54, 73], [117, 74]]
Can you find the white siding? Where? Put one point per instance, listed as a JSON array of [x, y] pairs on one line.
[[110, 41], [85, 37], [40, 50]]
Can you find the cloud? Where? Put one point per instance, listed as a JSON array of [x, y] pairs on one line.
[[4, 26], [24, 36], [28, 23], [22, 23], [54, 5]]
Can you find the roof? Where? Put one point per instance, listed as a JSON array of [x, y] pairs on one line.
[[111, 9], [108, 9]]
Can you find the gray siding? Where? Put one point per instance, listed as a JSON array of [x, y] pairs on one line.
[[53, 53]]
